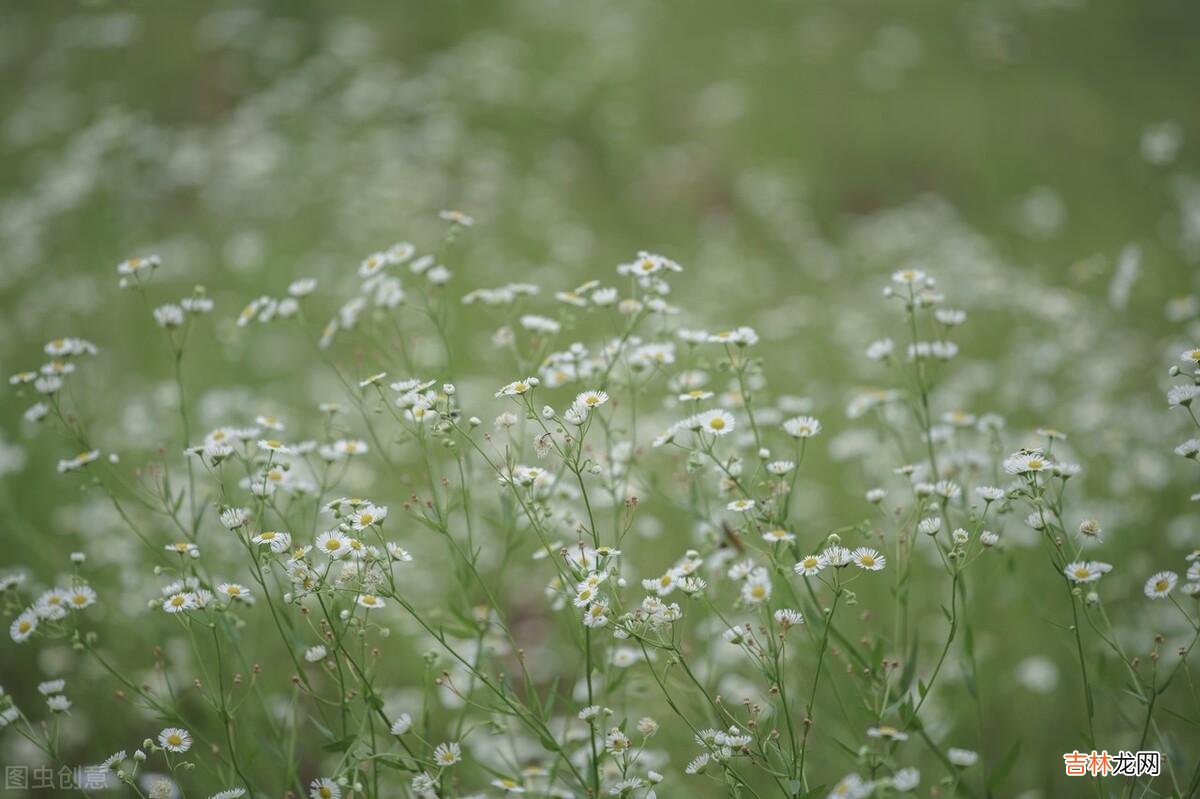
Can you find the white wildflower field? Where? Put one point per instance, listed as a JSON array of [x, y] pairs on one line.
[[424, 404]]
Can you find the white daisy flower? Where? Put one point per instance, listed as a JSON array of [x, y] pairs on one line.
[[1161, 584], [234, 517], [695, 395], [591, 399], [1086, 571], [78, 462], [368, 515], [810, 565], [868, 559], [279, 542], [23, 626], [716, 422], [518, 387], [878, 350], [80, 597], [48, 385], [51, 604], [333, 543], [324, 788], [888, 732], [234, 591], [180, 602], [838, 556], [174, 739], [906, 779], [596, 615], [787, 618], [134, 266], [456, 218], [1027, 462], [777, 535], [908, 277], [930, 525], [447, 754], [964, 758], [508, 785], [757, 588], [169, 315], [51, 687], [802, 427]]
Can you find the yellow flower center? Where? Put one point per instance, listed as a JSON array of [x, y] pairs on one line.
[[174, 740], [1161, 585], [717, 423]]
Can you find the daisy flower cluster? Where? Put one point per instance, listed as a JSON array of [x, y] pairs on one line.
[[443, 578]]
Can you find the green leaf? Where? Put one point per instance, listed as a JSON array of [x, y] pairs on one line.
[[910, 666], [326, 733], [1001, 769], [340, 745]]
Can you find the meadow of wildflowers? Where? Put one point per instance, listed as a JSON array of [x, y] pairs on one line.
[[680, 461]]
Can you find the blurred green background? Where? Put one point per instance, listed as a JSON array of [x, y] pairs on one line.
[[788, 154]]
